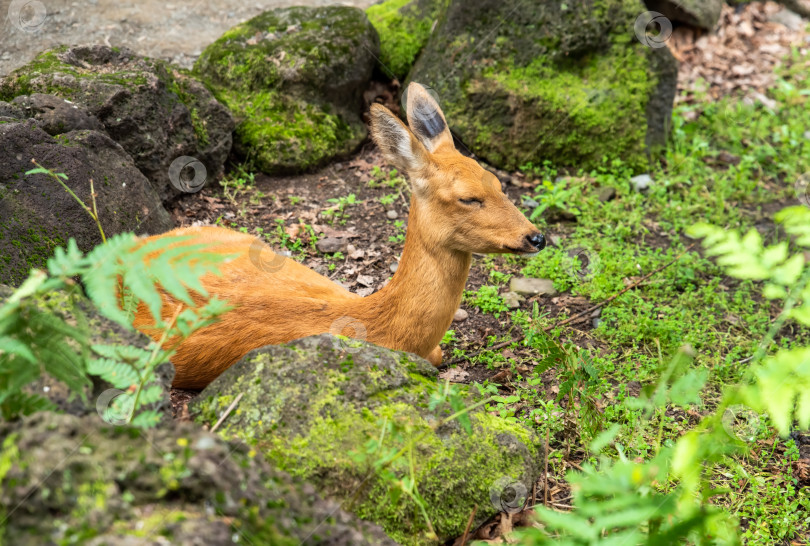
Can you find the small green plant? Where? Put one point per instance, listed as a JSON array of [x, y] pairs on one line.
[[337, 213], [400, 235], [59, 177], [487, 300], [236, 183], [388, 199], [557, 195], [41, 332]]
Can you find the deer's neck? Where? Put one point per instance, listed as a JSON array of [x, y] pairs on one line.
[[416, 307]]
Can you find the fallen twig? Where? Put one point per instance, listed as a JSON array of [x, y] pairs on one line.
[[227, 412], [469, 524]]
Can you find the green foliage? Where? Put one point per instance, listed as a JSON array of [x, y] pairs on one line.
[[395, 448], [337, 212], [487, 300], [37, 336], [667, 498], [551, 195]]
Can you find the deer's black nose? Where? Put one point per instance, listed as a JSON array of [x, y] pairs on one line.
[[537, 240]]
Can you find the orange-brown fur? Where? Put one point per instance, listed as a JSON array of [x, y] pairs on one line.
[[412, 312]]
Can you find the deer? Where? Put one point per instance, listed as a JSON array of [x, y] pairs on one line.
[[457, 208]]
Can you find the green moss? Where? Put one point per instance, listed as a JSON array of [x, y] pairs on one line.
[[276, 73], [609, 121], [404, 27], [334, 426], [573, 86], [283, 133]]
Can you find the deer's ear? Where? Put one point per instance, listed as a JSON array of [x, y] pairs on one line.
[[398, 144], [426, 119]]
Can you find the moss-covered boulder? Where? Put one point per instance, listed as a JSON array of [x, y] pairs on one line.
[[294, 79], [70, 480], [404, 27], [155, 111], [567, 82], [331, 414], [37, 214]]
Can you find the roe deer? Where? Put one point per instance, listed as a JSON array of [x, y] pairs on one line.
[[457, 208]]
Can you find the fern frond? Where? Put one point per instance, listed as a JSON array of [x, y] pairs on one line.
[[121, 375]]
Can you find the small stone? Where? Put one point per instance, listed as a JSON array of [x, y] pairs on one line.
[[606, 193], [787, 18], [642, 182], [512, 299], [597, 322], [329, 245], [321, 269], [532, 287], [392, 214], [530, 203], [393, 267], [806, 135], [460, 315]]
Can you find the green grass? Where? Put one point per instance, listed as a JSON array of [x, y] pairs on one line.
[[734, 166]]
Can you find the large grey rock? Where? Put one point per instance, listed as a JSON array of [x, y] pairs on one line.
[[316, 405], [294, 78], [71, 480], [37, 214], [565, 82], [56, 115], [696, 13], [156, 112]]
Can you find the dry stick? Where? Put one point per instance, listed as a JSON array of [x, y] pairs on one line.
[[227, 411], [545, 479], [469, 524], [578, 315]]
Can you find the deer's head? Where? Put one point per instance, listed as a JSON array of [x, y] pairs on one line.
[[456, 203]]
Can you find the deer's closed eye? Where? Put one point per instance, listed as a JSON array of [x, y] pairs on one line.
[[471, 201]]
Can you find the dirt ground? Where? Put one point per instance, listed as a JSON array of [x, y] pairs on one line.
[[177, 30]]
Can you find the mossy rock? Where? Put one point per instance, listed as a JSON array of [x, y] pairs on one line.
[[71, 480], [70, 307], [565, 82], [294, 79], [404, 27], [37, 214], [702, 14], [155, 111], [317, 406]]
